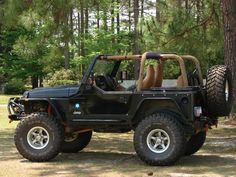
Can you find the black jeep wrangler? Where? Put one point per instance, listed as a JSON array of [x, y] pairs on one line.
[[168, 122]]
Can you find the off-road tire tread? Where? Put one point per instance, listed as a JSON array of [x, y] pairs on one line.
[[177, 128], [79, 144], [215, 84], [195, 143], [51, 122]]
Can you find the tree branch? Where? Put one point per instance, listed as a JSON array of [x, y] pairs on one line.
[[204, 22]]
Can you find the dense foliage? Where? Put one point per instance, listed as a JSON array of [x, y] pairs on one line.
[[41, 37], [15, 87], [61, 77]]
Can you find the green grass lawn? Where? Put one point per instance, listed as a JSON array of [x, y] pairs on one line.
[[4, 121], [4, 98]]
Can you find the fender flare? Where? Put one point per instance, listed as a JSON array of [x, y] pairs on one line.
[[181, 117], [49, 101]]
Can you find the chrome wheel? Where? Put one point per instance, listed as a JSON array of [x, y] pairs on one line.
[[158, 141], [38, 138], [227, 91]]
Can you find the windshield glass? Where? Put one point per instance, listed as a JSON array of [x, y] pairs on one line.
[[103, 67]]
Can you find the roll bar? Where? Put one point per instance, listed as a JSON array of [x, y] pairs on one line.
[[162, 57], [151, 55], [197, 65]]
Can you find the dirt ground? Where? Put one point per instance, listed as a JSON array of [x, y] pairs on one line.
[[113, 155]]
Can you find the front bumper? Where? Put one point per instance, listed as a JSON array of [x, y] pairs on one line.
[[15, 109]]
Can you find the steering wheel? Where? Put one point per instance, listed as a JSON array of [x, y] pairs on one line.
[[100, 82], [111, 83], [106, 82]]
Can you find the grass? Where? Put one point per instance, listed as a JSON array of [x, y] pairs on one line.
[[4, 121], [113, 155], [4, 98]]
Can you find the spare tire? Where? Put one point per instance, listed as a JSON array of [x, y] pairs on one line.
[[219, 91]]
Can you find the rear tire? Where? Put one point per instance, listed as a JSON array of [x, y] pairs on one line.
[[77, 143], [38, 137], [219, 91], [159, 139], [195, 143]]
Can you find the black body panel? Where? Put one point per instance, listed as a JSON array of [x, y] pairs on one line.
[[53, 92], [88, 106], [112, 107]]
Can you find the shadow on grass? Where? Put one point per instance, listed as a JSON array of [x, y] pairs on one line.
[[7, 148], [116, 156], [94, 163], [220, 144], [114, 153]]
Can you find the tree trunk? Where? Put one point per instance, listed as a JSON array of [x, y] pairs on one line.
[[136, 19], [86, 30], [136, 48], [82, 52], [112, 16], [129, 15], [142, 8], [118, 25], [34, 82], [157, 11], [66, 40], [41, 81], [118, 19], [1, 39], [104, 19], [98, 15], [66, 53], [78, 29], [179, 4], [72, 52], [198, 7], [229, 12], [187, 5], [71, 24], [113, 21], [86, 18]]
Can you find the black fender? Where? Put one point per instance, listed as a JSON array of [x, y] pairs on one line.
[[151, 105], [28, 101]]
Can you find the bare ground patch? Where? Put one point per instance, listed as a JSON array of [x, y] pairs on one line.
[[114, 155]]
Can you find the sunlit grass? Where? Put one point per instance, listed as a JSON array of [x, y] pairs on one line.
[[4, 121], [112, 154], [4, 98]]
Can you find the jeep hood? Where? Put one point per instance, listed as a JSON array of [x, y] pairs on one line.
[[52, 92]]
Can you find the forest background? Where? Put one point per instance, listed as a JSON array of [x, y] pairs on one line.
[[51, 42]]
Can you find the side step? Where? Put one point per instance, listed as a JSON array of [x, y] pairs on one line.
[[102, 118]]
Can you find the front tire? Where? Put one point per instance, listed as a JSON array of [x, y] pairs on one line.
[[195, 143], [76, 142], [38, 137], [159, 139]]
